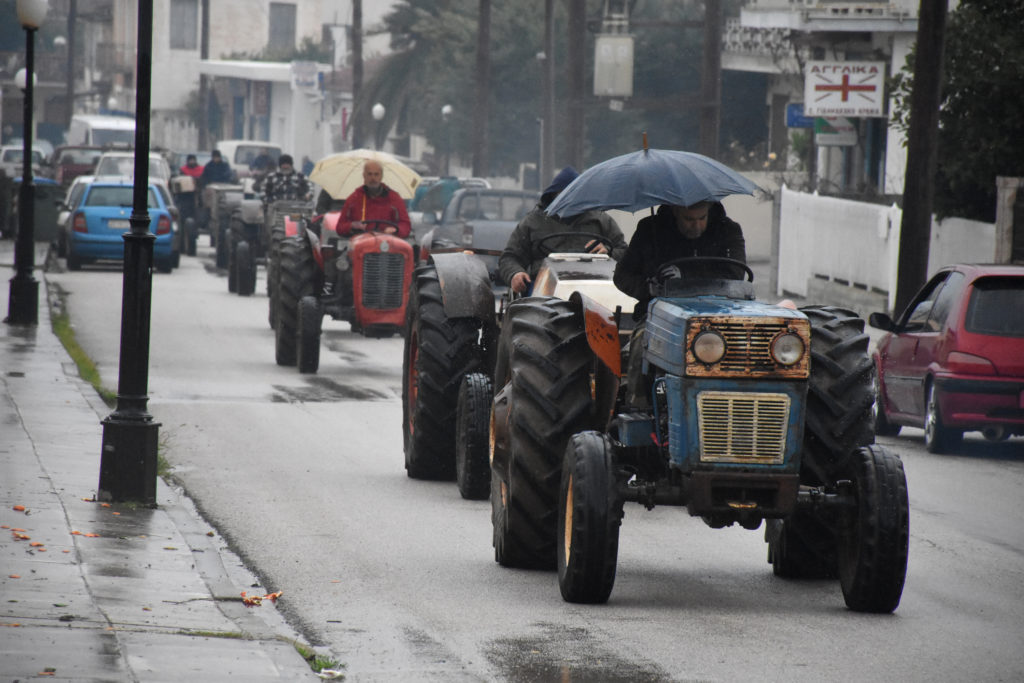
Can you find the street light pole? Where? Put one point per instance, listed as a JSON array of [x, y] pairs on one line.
[[128, 460], [377, 111], [446, 116], [23, 299]]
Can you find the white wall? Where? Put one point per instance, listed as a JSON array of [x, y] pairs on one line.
[[857, 244]]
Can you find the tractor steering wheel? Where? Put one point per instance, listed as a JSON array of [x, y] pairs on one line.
[[376, 222], [702, 262], [600, 239]]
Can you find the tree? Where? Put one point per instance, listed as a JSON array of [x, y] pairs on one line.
[[981, 131]]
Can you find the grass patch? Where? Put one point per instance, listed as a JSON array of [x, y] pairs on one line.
[[316, 662], [231, 635], [61, 322]]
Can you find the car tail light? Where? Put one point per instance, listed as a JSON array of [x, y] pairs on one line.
[[969, 364], [79, 223], [163, 226]]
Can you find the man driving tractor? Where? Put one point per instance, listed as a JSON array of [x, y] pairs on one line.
[[374, 206]]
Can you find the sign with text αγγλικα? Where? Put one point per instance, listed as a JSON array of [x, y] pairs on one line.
[[844, 89]]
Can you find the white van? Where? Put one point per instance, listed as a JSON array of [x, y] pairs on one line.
[[101, 130], [248, 156]]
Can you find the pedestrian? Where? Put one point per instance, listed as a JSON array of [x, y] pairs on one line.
[[191, 167], [674, 232], [374, 201], [216, 170], [284, 183], [524, 254]]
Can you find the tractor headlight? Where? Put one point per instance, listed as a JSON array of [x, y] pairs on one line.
[[787, 349], [709, 347]]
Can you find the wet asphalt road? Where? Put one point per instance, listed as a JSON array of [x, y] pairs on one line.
[[303, 474]]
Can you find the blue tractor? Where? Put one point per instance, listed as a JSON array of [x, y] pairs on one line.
[[745, 413]]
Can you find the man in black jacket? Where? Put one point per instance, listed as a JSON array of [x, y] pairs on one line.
[[674, 232]]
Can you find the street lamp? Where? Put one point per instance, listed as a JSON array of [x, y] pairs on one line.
[[446, 115], [378, 112], [23, 300]]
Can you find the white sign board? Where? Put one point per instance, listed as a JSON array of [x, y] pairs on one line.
[[844, 89], [613, 66]]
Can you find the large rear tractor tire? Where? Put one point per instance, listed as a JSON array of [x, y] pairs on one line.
[[439, 351], [472, 446], [874, 536], [296, 281], [273, 272], [840, 394], [245, 269], [589, 517], [549, 399], [311, 315]]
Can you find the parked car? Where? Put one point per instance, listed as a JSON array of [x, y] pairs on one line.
[[71, 161], [123, 164], [11, 157], [480, 219], [71, 199], [953, 362], [101, 217]]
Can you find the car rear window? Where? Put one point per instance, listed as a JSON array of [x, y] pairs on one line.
[[117, 196], [79, 156], [997, 307]]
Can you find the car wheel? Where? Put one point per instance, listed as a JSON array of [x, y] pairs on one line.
[[938, 438]]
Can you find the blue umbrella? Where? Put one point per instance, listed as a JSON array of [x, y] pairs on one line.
[[647, 178]]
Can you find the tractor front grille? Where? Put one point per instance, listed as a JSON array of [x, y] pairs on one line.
[[383, 279], [742, 427], [748, 350]]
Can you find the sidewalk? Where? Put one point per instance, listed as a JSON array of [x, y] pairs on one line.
[[108, 593]]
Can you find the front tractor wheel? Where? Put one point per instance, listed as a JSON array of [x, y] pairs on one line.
[[296, 280], [546, 363], [439, 352], [245, 269], [310, 318], [589, 516], [874, 535], [472, 446]]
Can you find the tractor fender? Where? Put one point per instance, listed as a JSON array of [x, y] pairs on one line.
[[603, 338], [465, 286], [252, 212], [314, 241]]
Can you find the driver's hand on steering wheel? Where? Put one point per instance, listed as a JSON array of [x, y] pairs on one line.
[[390, 229], [595, 247], [669, 272], [358, 225], [520, 282]]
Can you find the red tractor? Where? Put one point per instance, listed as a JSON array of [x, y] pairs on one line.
[[362, 279]]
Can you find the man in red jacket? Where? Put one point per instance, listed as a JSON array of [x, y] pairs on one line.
[[374, 201]]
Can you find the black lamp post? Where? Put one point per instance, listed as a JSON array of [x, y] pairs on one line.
[[23, 301], [128, 461]]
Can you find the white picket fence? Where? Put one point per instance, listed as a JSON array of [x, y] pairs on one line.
[[856, 244]]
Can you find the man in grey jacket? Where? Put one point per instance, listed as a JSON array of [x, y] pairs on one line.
[[524, 254]]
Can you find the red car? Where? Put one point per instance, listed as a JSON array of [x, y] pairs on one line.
[[954, 361], [69, 162]]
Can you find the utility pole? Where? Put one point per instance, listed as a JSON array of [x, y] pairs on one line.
[[576, 125], [922, 139], [711, 79], [205, 139], [69, 68], [357, 70], [482, 110], [547, 157]]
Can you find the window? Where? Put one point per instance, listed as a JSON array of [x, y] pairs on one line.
[[997, 307], [184, 24], [949, 293], [282, 27]]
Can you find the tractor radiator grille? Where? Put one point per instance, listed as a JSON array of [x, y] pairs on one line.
[[383, 279], [742, 427], [748, 347]]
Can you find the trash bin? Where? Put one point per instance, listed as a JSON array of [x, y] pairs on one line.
[[47, 195]]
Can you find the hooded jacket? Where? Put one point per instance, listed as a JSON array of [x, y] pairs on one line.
[[522, 253]]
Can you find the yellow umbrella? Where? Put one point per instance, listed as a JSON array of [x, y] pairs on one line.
[[340, 174]]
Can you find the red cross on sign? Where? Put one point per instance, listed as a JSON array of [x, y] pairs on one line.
[[850, 89]]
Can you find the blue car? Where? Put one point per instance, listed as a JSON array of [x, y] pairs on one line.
[[102, 216]]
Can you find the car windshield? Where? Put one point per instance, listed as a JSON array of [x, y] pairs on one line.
[[126, 166], [16, 155], [256, 156], [119, 195], [997, 307]]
